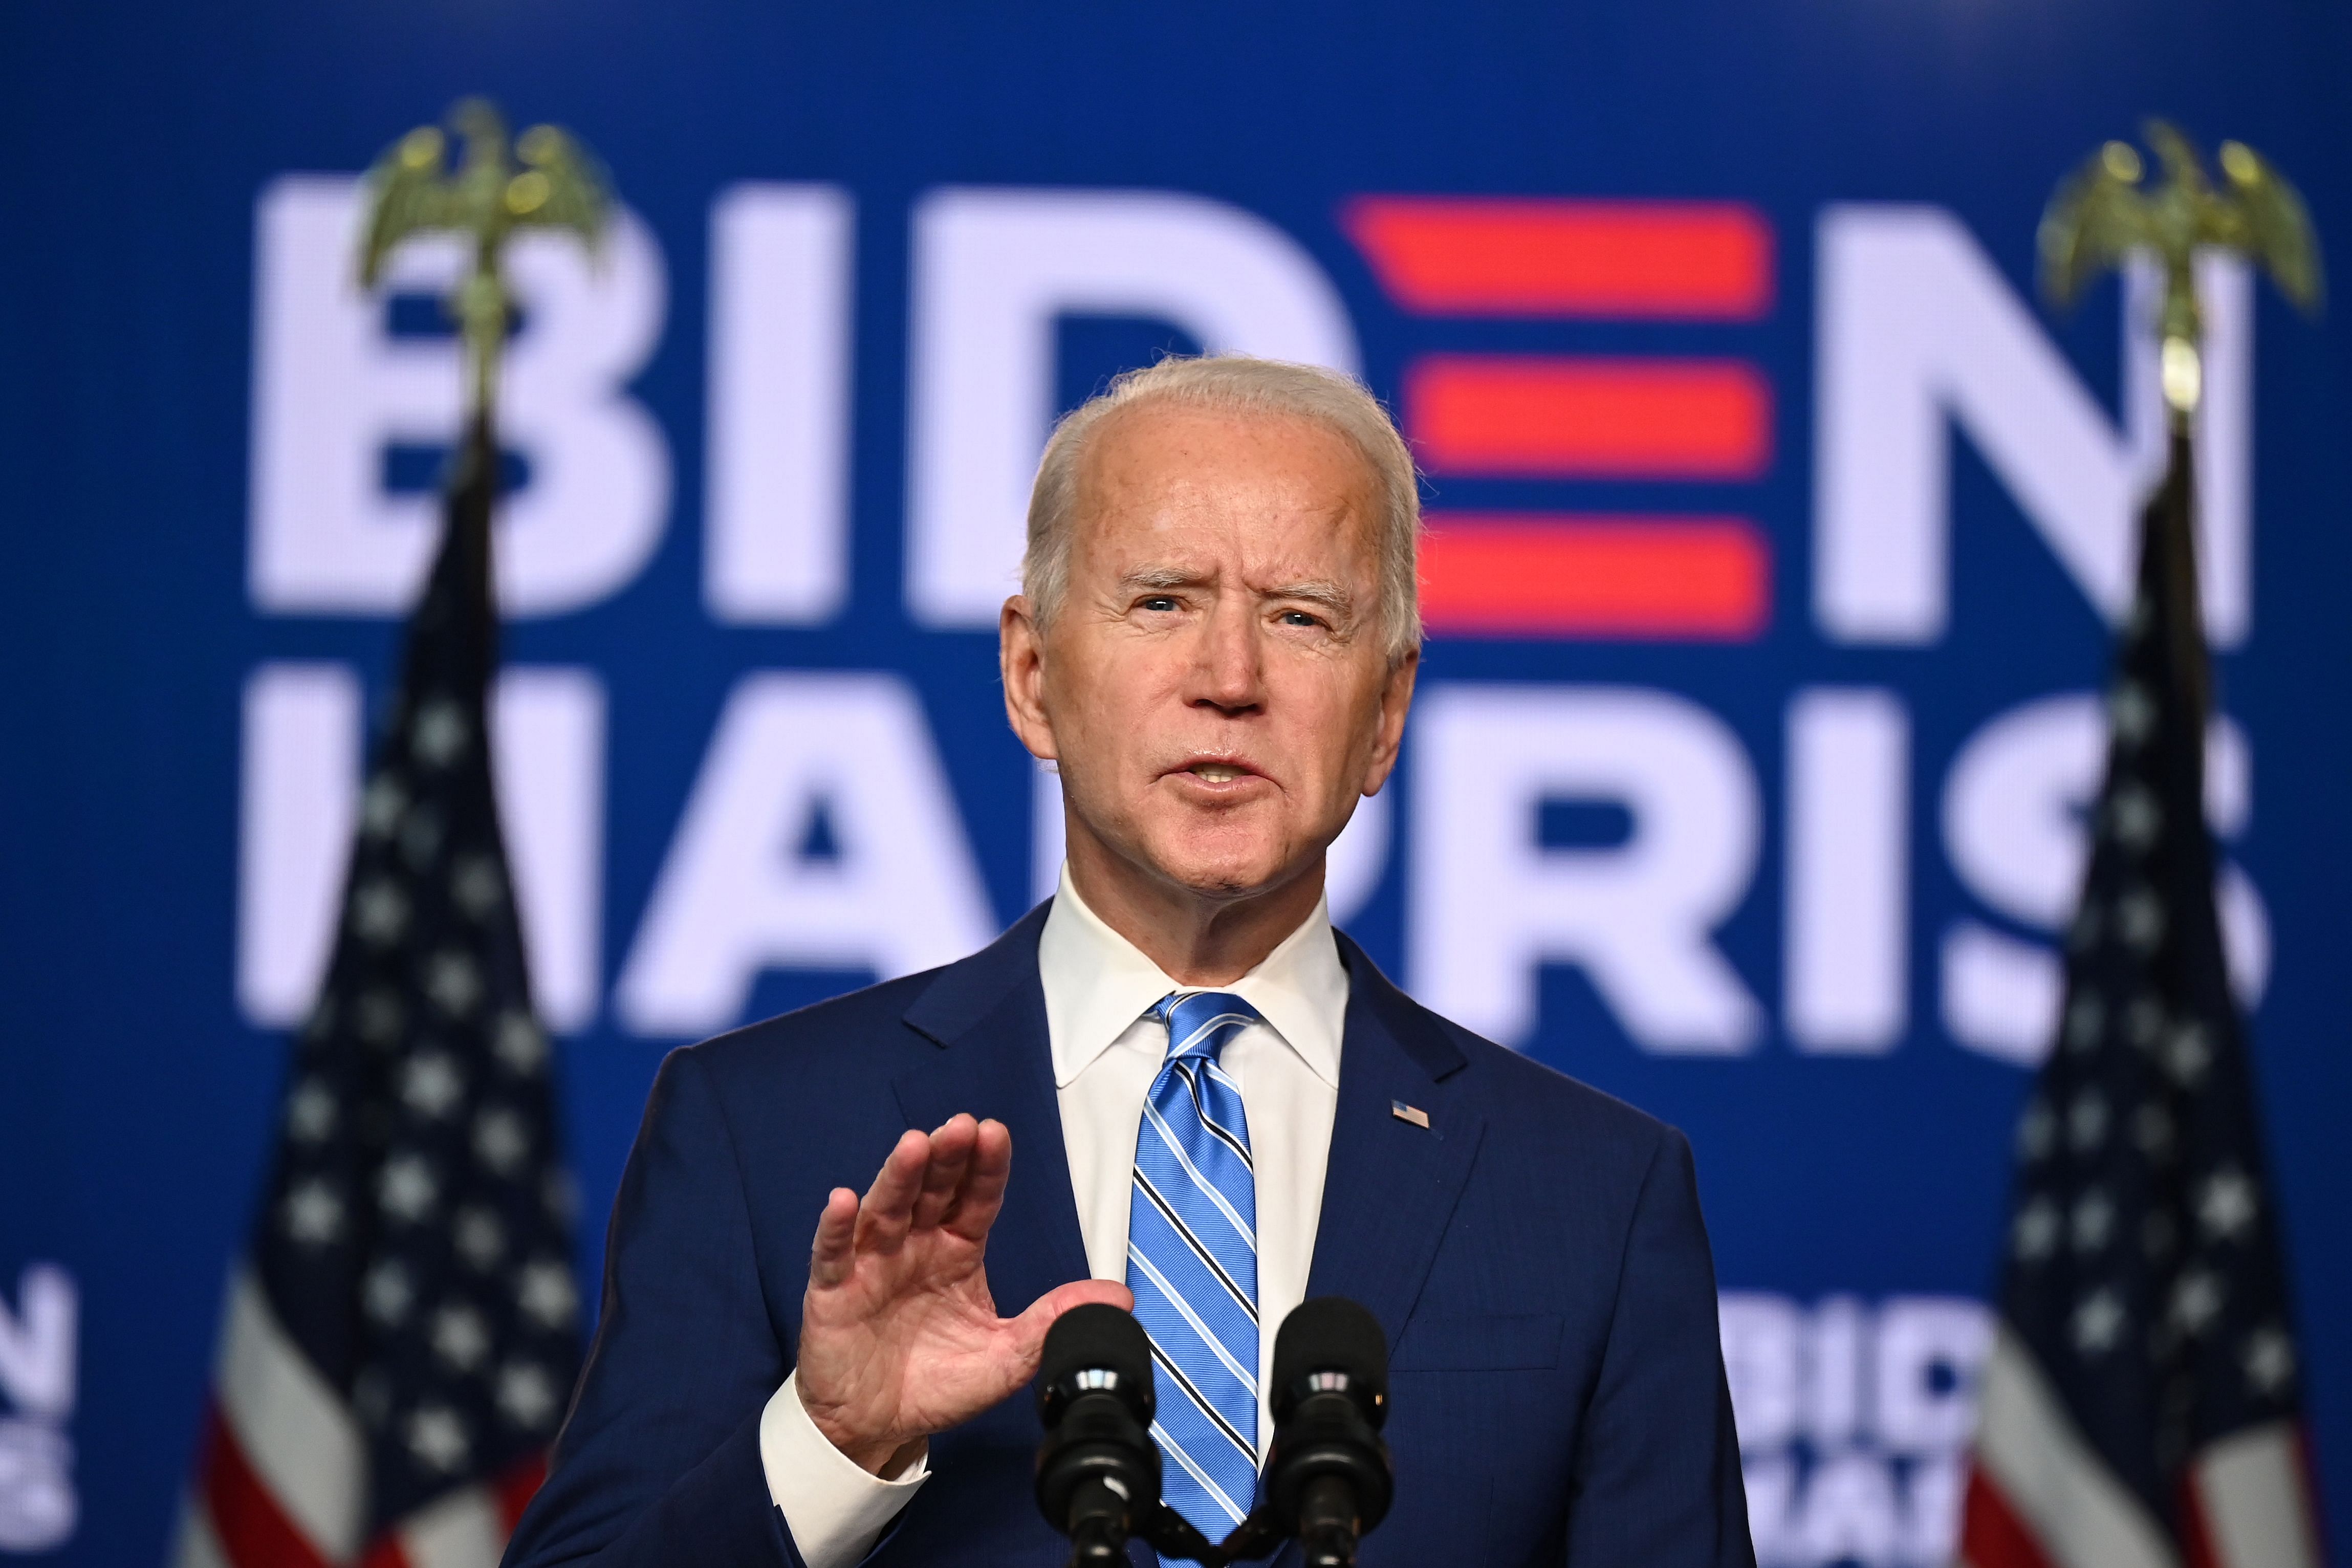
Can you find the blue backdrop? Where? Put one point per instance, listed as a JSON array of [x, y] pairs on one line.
[[1844, 802]]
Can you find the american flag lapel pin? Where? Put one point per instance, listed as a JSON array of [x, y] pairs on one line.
[[1413, 1113]]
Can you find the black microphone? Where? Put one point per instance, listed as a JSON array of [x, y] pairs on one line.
[[1328, 1479], [1098, 1470]]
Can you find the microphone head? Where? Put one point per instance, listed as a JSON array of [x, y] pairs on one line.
[[1095, 1348], [1331, 1344]]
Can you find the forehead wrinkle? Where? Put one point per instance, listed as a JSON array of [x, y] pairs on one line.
[[1186, 513], [1179, 479]]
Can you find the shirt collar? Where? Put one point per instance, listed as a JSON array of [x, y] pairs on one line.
[[1097, 982]]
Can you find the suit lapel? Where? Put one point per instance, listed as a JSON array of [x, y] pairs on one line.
[[987, 1015], [1390, 1186]]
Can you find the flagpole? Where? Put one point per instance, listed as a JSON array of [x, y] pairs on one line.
[[404, 1325], [2141, 1404]]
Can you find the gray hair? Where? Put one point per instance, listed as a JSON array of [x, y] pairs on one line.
[[1239, 384]]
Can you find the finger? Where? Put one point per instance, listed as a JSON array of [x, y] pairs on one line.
[[1028, 1336], [975, 1208], [890, 1206], [951, 1148], [837, 1231]]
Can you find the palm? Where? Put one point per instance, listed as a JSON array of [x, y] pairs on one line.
[[899, 1336]]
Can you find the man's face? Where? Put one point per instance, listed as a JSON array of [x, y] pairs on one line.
[[1215, 684]]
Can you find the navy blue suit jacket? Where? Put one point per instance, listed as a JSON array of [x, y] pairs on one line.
[[1536, 1254]]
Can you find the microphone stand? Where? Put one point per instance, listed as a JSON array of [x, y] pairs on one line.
[[1172, 1535], [1257, 1536]]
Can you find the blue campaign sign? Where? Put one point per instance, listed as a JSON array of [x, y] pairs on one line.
[[1779, 534]]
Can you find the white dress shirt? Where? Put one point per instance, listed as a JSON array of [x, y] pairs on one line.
[[1099, 986]]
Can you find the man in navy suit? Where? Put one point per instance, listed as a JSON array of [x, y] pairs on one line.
[[1220, 1105]]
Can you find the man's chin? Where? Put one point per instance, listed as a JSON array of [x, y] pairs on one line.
[[1225, 870]]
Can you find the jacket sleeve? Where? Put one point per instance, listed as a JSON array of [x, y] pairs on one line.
[[1657, 1477], [658, 1461]]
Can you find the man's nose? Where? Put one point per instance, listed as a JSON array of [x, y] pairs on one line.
[[1227, 672]]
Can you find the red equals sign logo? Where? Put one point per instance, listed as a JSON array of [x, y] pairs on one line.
[[1577, 574]]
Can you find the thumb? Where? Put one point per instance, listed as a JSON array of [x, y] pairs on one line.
[[1029, 1328]]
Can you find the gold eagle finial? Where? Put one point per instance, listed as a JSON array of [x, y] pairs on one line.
[[2101, 213], [546, 180]]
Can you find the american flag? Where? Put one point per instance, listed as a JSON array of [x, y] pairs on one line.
[[402, 1335], [2141, 1407]]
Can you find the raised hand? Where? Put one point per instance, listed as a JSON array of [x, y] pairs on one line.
[[899, 1336]]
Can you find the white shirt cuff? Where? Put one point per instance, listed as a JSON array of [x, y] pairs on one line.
[[836, 1510]]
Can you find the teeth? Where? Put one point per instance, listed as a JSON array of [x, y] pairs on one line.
[[1217, 772]]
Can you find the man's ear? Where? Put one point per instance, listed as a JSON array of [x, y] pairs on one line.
[[1021, 662], [1396, 699]]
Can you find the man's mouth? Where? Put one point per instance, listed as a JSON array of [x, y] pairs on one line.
[[1217, 772]]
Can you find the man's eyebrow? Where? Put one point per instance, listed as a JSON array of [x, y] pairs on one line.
[[1162, 577], [1316, 591], [1332, 596]]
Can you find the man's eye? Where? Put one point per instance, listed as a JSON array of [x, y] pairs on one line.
[[1299, 618], [1158, 603]]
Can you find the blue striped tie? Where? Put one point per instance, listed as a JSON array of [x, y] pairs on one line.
[[1192, 1260]]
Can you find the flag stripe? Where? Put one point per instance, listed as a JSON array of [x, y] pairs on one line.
[[517, 1486], [2249, 1488], [2189, 1527], [2060, 1489], [464, 1529], [297, 1438], [247, 1519], [386, 1553], [199, 1545], [1991, 1536]]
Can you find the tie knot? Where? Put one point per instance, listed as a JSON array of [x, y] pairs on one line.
[[1200, 1023]]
